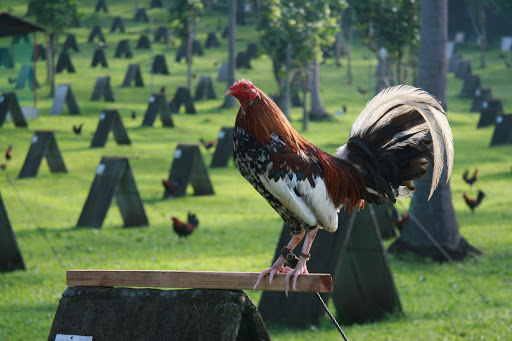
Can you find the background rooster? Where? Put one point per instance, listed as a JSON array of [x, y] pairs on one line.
[[470, 180], [474, 203], [387, 149], [185, 229], [207, 144], [77, 129], [170, 187], [8, 153]]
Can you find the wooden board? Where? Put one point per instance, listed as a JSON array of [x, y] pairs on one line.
[[193, 279]]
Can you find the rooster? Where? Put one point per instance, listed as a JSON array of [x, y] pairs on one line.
[[8, 153], [3, 166], [474, 203], [185, 229], [207, 144], [134, 114], [170, 187], [77, 129], [470, 180], [387, 149]]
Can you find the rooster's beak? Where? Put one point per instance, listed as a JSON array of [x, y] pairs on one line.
[[228, 92]]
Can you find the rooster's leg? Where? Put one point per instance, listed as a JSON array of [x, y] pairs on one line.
[[278, 264], [301, 267]]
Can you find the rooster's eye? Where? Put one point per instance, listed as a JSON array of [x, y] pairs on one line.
[[245, 87]]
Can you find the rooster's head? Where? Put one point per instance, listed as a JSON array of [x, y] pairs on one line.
[[244, 91]]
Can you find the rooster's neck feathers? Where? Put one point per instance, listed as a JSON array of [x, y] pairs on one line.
[[262, 118]]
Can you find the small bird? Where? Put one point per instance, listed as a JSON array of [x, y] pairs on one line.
[[361, 90], [162, 90], [170, 187], [400, 221], [474, 203], [387, 150], [8, 153], [12, 80], [344, 108], [470, 181], [77, 129], [134, 114], [207, 144], [3, 166], [185, 229]]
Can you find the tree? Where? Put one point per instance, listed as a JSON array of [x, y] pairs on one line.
[[230, 101], [437, 216], [184, 17], [395, 27], [478, 14], [306, 25], [56, 16]]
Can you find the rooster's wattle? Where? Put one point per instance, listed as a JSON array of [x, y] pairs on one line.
[[387, 149]]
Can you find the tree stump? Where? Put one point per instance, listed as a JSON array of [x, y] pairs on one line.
[[110, 120], [44, 145], [211, 41], [502, 130], [9, 103], [10, 254], [64, 94], [182, 96], [133, 74], [99, 58], [96, 32], [123, 48], [159, 65], [143, 42], [141, 15], [471, 84], [64, 62], [70, 43], [157, 315], [103, 89], [117, 24], [481, 95], [204, 89], [114, 177], [463, 69], [490, 110]]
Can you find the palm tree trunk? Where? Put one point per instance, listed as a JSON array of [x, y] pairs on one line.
[[317, 106], [436, 216], [230, 101]]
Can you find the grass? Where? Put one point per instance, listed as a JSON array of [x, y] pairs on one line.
[[438, 303]]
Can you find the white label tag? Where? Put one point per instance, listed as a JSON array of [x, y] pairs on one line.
[[222, 133], [64, 337], [100, 169], [102, 116], [499, 119], [34, 139], [177, 154], [485, 105], [151, 99]]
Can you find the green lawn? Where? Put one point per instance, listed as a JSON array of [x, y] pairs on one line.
[[438, 303]]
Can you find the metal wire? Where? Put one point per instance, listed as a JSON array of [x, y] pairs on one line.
[[332, 317]]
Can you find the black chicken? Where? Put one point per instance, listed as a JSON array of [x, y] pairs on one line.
[[185, 229], [207, 144], [474, 203], [470, 180], [77, 129], [170, 187]]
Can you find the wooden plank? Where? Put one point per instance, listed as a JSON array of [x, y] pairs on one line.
[[194, 279]]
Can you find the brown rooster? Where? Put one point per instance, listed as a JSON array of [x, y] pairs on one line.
[[170, 187], [8, 153], [387, 149], [185, 229], [207, 144], [474, 203], [470, 180]]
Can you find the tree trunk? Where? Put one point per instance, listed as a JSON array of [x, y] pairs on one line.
[[437, 216], [50, 61], [483, 38], [230, 101], [340, 43], [190, 38], [350, 31], [317, 106]]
